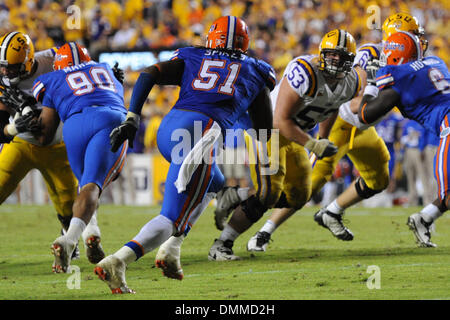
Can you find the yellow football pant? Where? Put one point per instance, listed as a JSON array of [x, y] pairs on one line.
[[292, 174], [365, 149], [18, 157]]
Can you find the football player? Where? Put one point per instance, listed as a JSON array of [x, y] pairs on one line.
[[88, 99], [365, 148], [219, 83], [21, 152], [420, 88], [311, 90]]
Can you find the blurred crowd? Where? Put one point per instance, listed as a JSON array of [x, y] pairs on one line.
[[279, 30]]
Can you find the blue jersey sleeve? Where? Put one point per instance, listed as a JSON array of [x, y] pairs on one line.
[[40, 90], [385, 78], [181, 53], [268, 73]]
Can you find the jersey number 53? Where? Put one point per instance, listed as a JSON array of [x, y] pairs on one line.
[[207, 79]]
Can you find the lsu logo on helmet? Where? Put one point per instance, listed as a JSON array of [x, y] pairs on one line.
[[404, 22], [16, 56]]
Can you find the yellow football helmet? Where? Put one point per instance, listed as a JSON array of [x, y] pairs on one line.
[[404, 22], [338, 42], [16, 56]]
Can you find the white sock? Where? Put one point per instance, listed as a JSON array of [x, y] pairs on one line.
[[335, 208], [126, 254], [76, 228], [92, 228], [154, 233], [174, 241], [430, 213], [268, 227], [228, 233]]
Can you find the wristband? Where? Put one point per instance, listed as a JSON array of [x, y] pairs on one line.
[[11, 129], [371, 90]]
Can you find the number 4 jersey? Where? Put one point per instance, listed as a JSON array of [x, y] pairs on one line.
[[86, 85], [219, 84], [424, 89]]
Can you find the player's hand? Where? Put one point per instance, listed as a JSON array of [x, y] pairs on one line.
[[118, 73], [16, 99], [22, 122], [371, 70], [126, 131], [321, 148]]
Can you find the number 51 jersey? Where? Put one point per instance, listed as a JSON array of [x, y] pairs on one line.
[[71, 89], [219, 84]]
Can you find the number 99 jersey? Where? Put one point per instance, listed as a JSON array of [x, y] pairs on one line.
[[71, 89], [219, 84]]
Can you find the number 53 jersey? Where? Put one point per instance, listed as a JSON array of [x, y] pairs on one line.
[[219, 84], [320, 101], [68, 91]]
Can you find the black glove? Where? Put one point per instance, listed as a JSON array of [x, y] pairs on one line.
[[22, 123], [118, 73], [16, 99], [371, 70], [126, 131]]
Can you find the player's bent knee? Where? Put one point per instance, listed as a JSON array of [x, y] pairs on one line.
[[363, 190], [253, 209]]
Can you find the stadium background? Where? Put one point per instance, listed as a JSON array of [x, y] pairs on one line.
[[149, 30]]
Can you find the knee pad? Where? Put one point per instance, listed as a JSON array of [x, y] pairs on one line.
[[365, 192], [253, 209]]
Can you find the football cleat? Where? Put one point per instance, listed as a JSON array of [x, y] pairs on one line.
[[421, 230], [94, 250], [222, 251], [62, 250], [227, 200], [112, 271], [76, 252], [333, 222], [168, 259], [259, 241]]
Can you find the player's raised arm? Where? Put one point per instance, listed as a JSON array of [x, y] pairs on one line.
[[164, 73]]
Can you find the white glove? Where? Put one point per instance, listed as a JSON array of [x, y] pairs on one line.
[[321, 148]]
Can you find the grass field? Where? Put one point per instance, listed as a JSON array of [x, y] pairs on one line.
[[303, 262]]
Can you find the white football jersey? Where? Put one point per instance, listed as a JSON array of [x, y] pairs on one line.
[[365, 53], [44, 60], [320, 102]]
